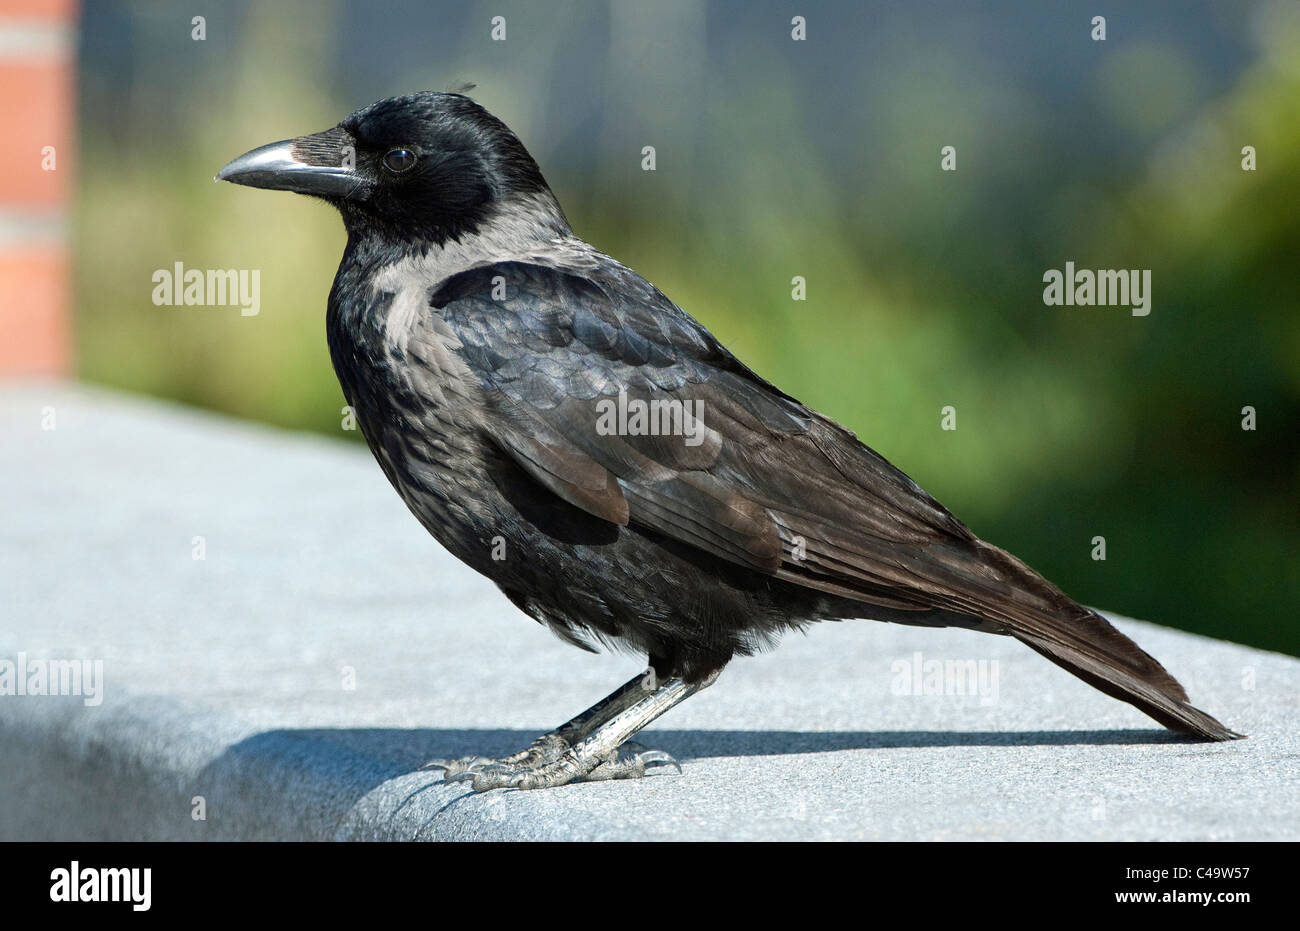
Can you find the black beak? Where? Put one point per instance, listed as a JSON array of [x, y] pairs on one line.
[[323, 165]]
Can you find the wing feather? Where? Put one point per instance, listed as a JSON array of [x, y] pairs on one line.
[[766, 483]]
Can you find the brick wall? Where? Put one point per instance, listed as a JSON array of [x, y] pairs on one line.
[[37, 84]]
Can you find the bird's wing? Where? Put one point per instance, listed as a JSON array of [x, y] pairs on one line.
[[764, 481], [758, 479]]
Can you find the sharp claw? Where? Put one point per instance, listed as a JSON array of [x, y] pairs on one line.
[[453, 768], [649, 758], [447, 766]]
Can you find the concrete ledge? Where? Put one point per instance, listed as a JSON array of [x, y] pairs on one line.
[[228, 679]]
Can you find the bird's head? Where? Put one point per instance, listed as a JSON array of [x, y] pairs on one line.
[[423, 168]]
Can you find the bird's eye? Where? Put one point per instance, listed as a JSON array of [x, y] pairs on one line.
[[399, 160]]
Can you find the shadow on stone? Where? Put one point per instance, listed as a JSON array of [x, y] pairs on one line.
[[302, 783]]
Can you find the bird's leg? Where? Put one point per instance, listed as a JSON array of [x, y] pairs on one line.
[[587, 747], [595, 756], [548, 747]]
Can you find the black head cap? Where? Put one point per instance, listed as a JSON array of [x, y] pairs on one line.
[[422, 168]]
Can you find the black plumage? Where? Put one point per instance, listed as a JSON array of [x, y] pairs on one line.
[[480, 343]]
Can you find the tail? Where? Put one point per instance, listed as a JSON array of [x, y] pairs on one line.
[[1083, 642], [1107, 660]]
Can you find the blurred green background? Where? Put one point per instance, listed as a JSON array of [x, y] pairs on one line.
[[819, 158]]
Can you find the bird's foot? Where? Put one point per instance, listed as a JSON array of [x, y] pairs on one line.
[[545, 749], [550, 762]]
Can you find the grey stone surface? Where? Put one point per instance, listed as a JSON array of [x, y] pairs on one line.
[[225, 678]]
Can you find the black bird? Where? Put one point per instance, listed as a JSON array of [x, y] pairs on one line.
[[562, 427]]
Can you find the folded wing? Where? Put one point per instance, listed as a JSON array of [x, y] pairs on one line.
[[619, 402]]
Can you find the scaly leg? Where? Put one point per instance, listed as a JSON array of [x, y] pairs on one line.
[[585, 748]]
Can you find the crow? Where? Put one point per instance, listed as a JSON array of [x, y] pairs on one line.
[[563, 428]]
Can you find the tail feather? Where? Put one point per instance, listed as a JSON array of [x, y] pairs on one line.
[[1113, 676], [1085, 643]]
